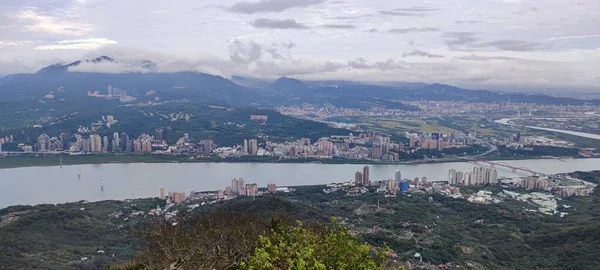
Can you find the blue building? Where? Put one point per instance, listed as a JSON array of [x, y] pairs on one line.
[[404, 185]]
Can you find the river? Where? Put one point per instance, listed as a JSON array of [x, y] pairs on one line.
[[506, 121], [36, 185]]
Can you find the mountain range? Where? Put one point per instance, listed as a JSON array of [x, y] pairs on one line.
[[242, 91]]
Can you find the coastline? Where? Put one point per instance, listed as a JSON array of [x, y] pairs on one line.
[[21, 161]]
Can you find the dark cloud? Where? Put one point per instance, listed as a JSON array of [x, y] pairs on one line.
[[399, 13], [278, 24], [359, 63], [270, 5], [417, 9], [514, 45], [467, 22], [373, 30], [244, 53], [421, 54], [456, 39], [413, 29], [338, 26], [468, 40]]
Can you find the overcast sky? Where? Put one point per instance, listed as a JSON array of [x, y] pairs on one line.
[[494, 44]]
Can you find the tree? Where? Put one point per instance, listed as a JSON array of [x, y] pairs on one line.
[[314, 247]]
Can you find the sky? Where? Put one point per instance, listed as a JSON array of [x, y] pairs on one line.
[[544, 45]]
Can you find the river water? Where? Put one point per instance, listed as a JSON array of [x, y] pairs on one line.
[[506, 121], [36, 185]]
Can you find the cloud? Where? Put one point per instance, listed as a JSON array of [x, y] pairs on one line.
[[338, 26], [457, 39], [467, 22], [78, 44], [270, 5], [474, 57], [244, 53], [422, 54], [399, 13], [359, 63], [373, 30], [52, 25], [418, 9], [278, 24], [412, 29], [115, 67], [514, 45], [574, 37], [469, 41]]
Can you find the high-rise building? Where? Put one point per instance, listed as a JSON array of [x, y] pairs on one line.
[[159, 133], [366, 179], [440, 144], [43, 143], [452, 177], [404, 186], [241, 186], [468, 180], [105, 144], [377, 150], [250, 189], [245, 147], [116, 138], [493, 177], [412, 141], [358, 177], [124, 139], [253, 146], [110, 92], [206, 146], [161, 193], [272, 188], [95, 143], [398, 176], [64, 139], [235, 187], [220, 194]]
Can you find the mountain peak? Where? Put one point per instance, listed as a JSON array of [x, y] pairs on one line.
[[136, 65]]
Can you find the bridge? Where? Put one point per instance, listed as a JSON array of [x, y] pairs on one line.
[[506, 165]]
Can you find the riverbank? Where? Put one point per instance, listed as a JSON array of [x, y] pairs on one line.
[[29, 160]]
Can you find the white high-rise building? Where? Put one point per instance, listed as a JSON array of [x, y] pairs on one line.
[[493, 177], [452, 177], [245, 149], [398, 176], [95, 143], [116, 139], [110, 92]]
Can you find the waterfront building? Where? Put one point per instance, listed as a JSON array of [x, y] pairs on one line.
[[366, 179], [358, 177], [43, 143], [398, 176]]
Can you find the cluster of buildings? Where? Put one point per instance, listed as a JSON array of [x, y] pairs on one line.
[[479, 176], [237, 188], [441, 141], [112, 93], [95, 143]]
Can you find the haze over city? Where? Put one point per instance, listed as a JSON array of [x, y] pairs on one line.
[[493, 44]]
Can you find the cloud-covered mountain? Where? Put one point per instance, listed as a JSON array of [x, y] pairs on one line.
[[141, 76]]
